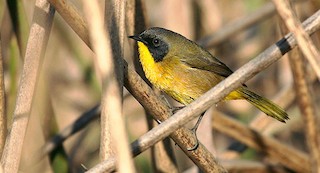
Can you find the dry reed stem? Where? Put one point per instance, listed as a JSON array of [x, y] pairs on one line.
[[303, 39], [115, 21], [3, 117], [71, 15], [104, 64], [284, 154], [215, 94], [111, 115], [307, 108], [37, 42], [305, 100]]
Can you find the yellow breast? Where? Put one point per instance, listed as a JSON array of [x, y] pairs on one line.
[[178, 80]]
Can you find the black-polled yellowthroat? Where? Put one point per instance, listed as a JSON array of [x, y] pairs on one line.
[[185, 71]]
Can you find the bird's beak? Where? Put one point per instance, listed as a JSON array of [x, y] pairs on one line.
[[137, 38]]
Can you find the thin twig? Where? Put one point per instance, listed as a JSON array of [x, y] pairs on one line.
[[3, 117], [284, 154], [305, 43], [215, 94], [37, 42]]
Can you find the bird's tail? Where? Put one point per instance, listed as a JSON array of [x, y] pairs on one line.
[[265, 105]]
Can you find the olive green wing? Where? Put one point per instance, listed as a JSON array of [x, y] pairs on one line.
[[205, 61]]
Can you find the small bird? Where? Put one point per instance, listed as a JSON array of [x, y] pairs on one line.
[[185, 71]]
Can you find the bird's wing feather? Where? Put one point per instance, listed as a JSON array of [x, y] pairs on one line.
[[205, 61]]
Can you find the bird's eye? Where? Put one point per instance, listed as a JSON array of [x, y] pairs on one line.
[[156, 42]]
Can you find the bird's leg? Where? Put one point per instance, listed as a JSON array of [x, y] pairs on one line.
[[194, 131], [174, 110]]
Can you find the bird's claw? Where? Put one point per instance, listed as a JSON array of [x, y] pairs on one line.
[[196, 145]]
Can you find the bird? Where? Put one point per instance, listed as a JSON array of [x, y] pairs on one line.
[[185, 71]]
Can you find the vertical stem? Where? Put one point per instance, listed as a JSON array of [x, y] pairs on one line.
[[20, 23], [305, 101], [104, 64], [108, 64], [3, 118], [307, 107], [37, 42]]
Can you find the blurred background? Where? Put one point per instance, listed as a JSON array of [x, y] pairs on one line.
[[68, 85]]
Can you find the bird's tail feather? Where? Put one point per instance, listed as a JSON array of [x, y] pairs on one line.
[[265, 105]]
